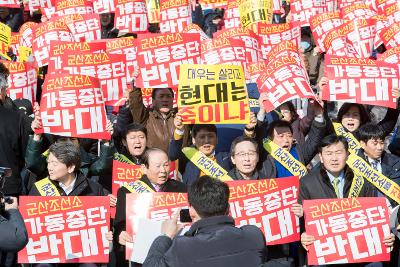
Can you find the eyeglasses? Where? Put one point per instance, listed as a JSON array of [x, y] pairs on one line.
[[251, 154]]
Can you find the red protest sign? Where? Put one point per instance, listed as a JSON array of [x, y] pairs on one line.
[[357, 11], [392, 12], [223, 51], [25, 34], [175, 15], [254, 70], [347, 230], [155, 206], [321, 24], [270, 35], [22, 80], [211, 4], [67, 229], [160, 55], [391, 36], [285, 77], [124, 173], [266, 203], [103, 6], [361, 36], [362, 81], [303, 10], [33, 5], [131, 16], [70, 7], [125, 46], [249, 38], [391, 56], [73, 105], [111, 70], [194, 28], [10, 3], [232, 15], [345, 3], [335, 42], [85, 28], [43, 33], [59, 49]]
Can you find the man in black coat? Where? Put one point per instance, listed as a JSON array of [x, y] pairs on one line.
[[13, 234], [155, 167], [212, 240], [14, 132], [332, 180]]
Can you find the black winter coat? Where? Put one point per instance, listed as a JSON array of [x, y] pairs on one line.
[[211, 242]]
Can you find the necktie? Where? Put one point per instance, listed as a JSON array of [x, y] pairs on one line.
[[157, 187], [374, 164], [335, 184]]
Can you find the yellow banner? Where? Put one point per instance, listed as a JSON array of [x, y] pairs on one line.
[[46, 188], [385, 185], [356, 185], [252, 11], [285, 158], [5, 40], [213, 94], [24, 53], [153, 11], [206, 165], [138, 187], [122, 158], [354, 145]]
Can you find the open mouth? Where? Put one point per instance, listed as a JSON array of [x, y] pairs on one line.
[[350, 125]]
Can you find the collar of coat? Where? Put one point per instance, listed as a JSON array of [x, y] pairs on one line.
[[81, 184], [348, 174], [158, 114], [208, 223]]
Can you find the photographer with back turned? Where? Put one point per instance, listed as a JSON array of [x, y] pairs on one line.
[[13, 235]]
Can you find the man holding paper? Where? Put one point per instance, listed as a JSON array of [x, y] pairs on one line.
[[212, 240]]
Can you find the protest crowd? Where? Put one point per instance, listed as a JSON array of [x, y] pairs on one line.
[[166, 133]]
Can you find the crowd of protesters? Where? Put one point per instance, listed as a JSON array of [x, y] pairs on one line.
[[152, 136]]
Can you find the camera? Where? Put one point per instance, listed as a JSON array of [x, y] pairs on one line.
[[4, 173]]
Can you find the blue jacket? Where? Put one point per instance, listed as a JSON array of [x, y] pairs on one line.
[[191, 172]]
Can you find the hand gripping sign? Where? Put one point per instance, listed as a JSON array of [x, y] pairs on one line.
[[347, 230], [67, 229], [73, 105]]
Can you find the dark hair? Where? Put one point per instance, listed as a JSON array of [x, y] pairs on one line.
[[147, 155], [364, 117], [241, 139], [4, 73], [209, 196], [134, 127], [67, 153], [155, 90], [207, 127], [278, 124], [370, 131], [291, 109], [332, 139]]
